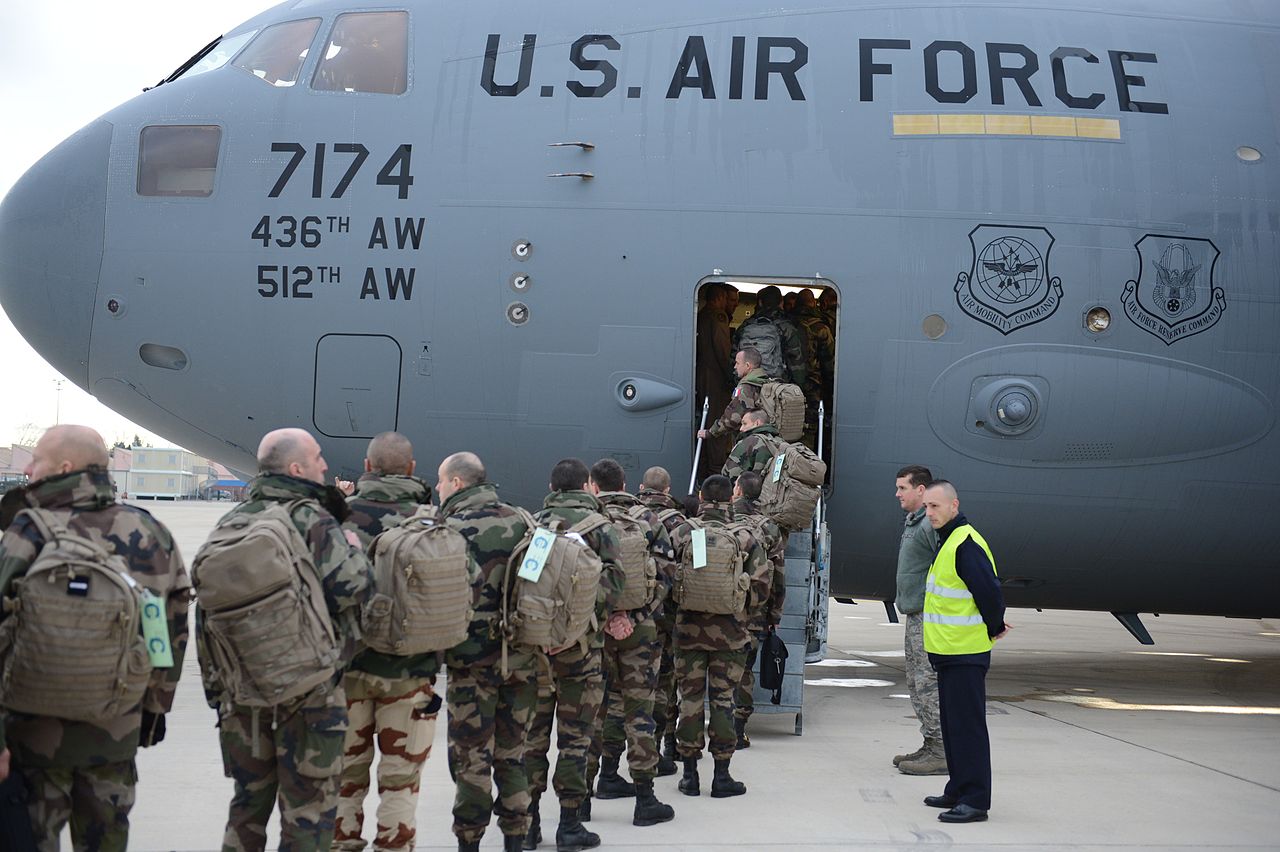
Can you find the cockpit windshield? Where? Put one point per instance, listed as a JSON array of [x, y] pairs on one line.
[[276, 55], [212, 56]]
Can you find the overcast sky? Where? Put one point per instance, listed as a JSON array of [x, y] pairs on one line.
[[62, 65]]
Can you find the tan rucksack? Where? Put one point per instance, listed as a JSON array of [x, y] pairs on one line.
[[559, 607], [638, 565], [264, 618], [783, 404], [71, 645], [423, 592], [720, 586], [792, 485]]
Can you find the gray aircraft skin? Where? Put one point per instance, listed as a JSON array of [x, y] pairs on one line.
[[973, 178]]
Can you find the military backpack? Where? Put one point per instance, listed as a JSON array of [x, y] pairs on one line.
[[638, 565], [792, 485], [764, 335], [422, 583], [71, 645], [783, 404], [265, 622], [720, 586], [553, 604]]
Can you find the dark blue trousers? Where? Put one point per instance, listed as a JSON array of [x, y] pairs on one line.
[[962, 706]]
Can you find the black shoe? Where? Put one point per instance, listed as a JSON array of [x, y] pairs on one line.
[[513, 842], [572, 835], [689, 783], [464, 846], [584, 810], [534, 837], [740, 728], [963, 813], [666, 766], [943, 801], [723, 785], [649, 811], [611, 785]]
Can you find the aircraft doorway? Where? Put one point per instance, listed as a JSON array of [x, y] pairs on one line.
[[793, 324]]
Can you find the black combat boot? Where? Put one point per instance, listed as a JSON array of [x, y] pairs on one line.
[[584, 810], [572, 835], [667, 758], [649, 811], [611, 785], [740, 728], [689, 783], [723, 785], [513, 842], [464, 846], [534, 837]]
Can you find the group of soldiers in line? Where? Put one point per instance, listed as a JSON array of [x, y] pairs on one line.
[[637, 682], [798, 325]]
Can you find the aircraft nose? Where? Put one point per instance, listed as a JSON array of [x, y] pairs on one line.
[[52, 225]]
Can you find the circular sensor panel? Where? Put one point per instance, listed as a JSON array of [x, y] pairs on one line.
[[517, 313]]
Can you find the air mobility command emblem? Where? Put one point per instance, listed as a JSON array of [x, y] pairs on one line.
[[1008, 285], [1174, 296]]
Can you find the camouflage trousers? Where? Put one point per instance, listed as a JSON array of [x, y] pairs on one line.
[[489, 718], [400, 716], [744, 703], [631, 681], [293, 752], [718, 674], [666, 704], [96, 800], [572, 701], [922, 680]]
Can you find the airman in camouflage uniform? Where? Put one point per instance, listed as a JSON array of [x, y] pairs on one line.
[[491, 688], [766, 614], [294, 751], [822, 359], [632, 655], [390, 698], [795, 353], [577, 671], [655, 492], [752, 452], [84, 772], [746, 395], [711, 650]]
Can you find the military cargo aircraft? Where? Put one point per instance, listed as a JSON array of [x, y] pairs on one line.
[[1053, 229]]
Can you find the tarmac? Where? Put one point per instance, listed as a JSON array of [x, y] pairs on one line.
[[1097, 743]]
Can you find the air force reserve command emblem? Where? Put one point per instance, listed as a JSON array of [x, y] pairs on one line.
[[1008, 286], [1174, 296]]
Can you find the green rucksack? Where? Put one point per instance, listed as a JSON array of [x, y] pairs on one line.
[[638, 565], [792, 485], [557, 608], [719, 587]]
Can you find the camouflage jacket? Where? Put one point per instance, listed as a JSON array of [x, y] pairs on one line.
[[573, 506], [492, 529], [766, 613], [822, 352], [84, 499], [660, 502], [704, 631], [344, 572], [752, 452], [795, 346], [746, 396], [381, 502], [664, 555]]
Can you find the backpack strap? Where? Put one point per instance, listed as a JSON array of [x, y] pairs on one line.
[[588, 524], [51, 528], [504, 628]]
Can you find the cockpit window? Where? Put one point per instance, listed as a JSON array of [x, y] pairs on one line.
[[276, 55], [367, 52], [178, 160], [220, 55]]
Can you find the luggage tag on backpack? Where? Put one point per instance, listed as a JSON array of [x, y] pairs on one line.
[[777, 466], [535, 557], [699, 541], [155, 629]]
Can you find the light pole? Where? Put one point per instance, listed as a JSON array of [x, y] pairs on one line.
[[57, 411]]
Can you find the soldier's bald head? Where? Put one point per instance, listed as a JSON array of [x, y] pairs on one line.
[[656, 479], [464, 466], [390, 454], [65, 448], [283, 447]]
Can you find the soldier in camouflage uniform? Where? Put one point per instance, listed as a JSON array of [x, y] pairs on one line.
[[491, 688], [711, 650], [390, 698], [746, 395], [766, 614], [577, 671], [76, 771], [752, 452], [294, 751], [822, 359], [655, 492], [632, 655], [795, 353]]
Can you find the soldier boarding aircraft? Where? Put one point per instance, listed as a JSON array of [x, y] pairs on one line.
[[1053, 229]]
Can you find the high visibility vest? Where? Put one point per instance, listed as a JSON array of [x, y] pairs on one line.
[[952, 623]]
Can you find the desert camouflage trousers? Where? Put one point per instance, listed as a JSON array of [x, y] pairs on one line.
[[292, 752], [703, 673], [744, 702], [399, 715], [631, 681], [96, 800], [571, 698], [922, 680], [489, 718]]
